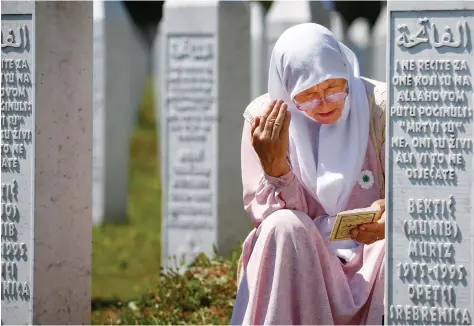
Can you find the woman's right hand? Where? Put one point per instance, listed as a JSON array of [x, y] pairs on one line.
[[270, 138]]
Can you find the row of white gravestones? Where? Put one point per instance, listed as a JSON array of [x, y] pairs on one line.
[[430, 189], [377, 48], [119, 84], [429, 185], [281, 16], [120, 70], [284, 14], [204, 87], [46, 122], [194, 155]]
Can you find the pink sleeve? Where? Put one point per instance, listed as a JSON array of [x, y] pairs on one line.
[[264, 194]]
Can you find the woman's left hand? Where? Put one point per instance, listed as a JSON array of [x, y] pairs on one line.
[[371, 232]]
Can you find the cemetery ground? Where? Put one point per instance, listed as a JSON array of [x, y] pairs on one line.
[[127, 287]]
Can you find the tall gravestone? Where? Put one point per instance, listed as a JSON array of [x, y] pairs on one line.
[[320, 12], [156, 66], [46, 156], [430, 188], [358, 39], [120, 69], [205, 80], [378, 47], [283, 14], [258, 65], [337, 25], [98, 192]]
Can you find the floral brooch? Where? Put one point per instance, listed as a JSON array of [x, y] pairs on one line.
[[366, 180]]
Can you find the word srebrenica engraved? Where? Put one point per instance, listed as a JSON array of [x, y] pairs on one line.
[[17, 150], [191, 145], [430, 251]]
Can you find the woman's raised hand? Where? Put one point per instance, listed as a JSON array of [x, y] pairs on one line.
[[270, 137]]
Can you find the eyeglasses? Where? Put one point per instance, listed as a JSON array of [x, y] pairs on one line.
[[310, 105]]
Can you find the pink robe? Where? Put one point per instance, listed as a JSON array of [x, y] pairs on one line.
[[290, 275]]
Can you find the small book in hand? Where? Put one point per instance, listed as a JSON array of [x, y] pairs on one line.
[[348, 220]]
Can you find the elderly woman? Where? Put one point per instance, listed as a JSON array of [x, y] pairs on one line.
[[314, 149]]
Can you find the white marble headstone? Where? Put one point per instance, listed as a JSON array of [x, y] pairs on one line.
[[378, 48], [358, 39], [337, 25], [258, 66], [430, 188], [283, 14], [204, 80], [46, 156], [120, 68]]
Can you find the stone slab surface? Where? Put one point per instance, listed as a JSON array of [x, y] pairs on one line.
[[430, 221], [205, 87], [18, 156], [46, 162]]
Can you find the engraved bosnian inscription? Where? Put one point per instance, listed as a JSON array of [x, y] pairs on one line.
[[17, 150], [431, 146], [190, 115]]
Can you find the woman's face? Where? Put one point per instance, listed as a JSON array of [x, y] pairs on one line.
[[326, 112]]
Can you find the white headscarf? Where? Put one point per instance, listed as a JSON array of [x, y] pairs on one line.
[[327, 159]]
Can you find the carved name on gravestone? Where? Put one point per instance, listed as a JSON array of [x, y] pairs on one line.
[[17, 166], [205, 86], [430, 239]]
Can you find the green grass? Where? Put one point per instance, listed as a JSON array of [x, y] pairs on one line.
[[127, 284], [203, 295], [126, 257]]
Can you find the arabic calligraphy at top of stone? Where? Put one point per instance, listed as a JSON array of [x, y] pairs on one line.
[[433, 36], [15, 40]]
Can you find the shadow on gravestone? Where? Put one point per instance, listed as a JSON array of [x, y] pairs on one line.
[[204, 90], [47, 180], [122, 66], [430, 219]]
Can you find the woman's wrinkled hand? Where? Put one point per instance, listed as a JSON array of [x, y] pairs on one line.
[[270, 137], [371, 232]]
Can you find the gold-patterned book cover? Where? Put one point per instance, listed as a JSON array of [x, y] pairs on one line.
[[348, 220]]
